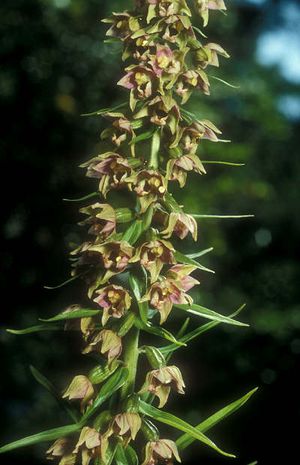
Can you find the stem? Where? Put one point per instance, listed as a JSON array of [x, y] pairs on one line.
[[131, 354]]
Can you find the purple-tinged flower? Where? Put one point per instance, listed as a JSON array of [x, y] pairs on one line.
[[106, 342], [165, 61], [101, 219], [177, 168], [120, 128], [110, 168], [159, 382], [203, 7], [192, 79], [181, 224], [80, 388], [115, 255], [149, 185], [139, 80], [114, 300], [171, 290], [154, 255]]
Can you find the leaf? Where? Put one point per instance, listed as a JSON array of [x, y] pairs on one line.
[[185, 440], [217, 162], [158, 331], [143, 136], [196, 216], [125, 456], [177, 423], [44, 436], [58, 286], [155, 146], [105, 110], [155, 357], [81, 199], [136, 285], [112, 385], [70, 315], [43, 381], [196, 332], [201, 253], [224, 82], [134, 231], [180, 257], [34, 329], [210, 314]]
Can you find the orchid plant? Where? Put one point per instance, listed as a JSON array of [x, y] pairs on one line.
[[134, 276]]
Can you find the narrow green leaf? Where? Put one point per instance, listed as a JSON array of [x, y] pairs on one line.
[[155, 146], [134, 231], [44, 436], [185, 440], [180, 257], [217, 162], [105, 110], [201, 253], [82, 199], [58, 286], [43, 381], [207, 313], [224, 82], [158, 331], [126, 455], [114, 383], [144, 136], [197, 332], [70, 315], [177, 423], [136, 286], [253, 463], [196, 216], [155, 357], [34, 329]]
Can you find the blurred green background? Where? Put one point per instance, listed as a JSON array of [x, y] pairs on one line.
[[54, 66]]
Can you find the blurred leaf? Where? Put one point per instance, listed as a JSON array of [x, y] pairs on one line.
[[136, 286], [201, 253], [126, 455], [185, 440], [34, 329], [177, 423]]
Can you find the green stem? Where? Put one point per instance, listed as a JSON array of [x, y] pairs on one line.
[[131, 354]]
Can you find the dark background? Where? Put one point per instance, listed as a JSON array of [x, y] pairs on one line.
[[54, 66]]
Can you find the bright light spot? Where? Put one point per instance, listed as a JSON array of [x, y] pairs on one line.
[[61, 3], [263, 237], [289, 106]]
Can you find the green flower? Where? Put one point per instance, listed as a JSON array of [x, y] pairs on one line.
[[203, 7], [80, 388], [91, 444], [114, 300], [106, 342], [125, 426], [149, 186], [153, 256], [62, 449]]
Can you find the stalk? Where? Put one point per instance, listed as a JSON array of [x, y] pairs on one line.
[[131, 355]]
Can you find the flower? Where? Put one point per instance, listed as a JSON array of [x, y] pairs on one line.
[[149, 185], [165, 61], [122, 25], [159, 382], [154, 255], [107, 342], [119, 130], [178, 167], [139, 80], [62, 448], [192, 79], [91, 444], [203, 7], [125, 425], [114, 256], [110, 168], [208, 55], [80, 388], [191, 135], [101, 219], [181, 224], [161, 451], [114, 300], [171, 290]]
